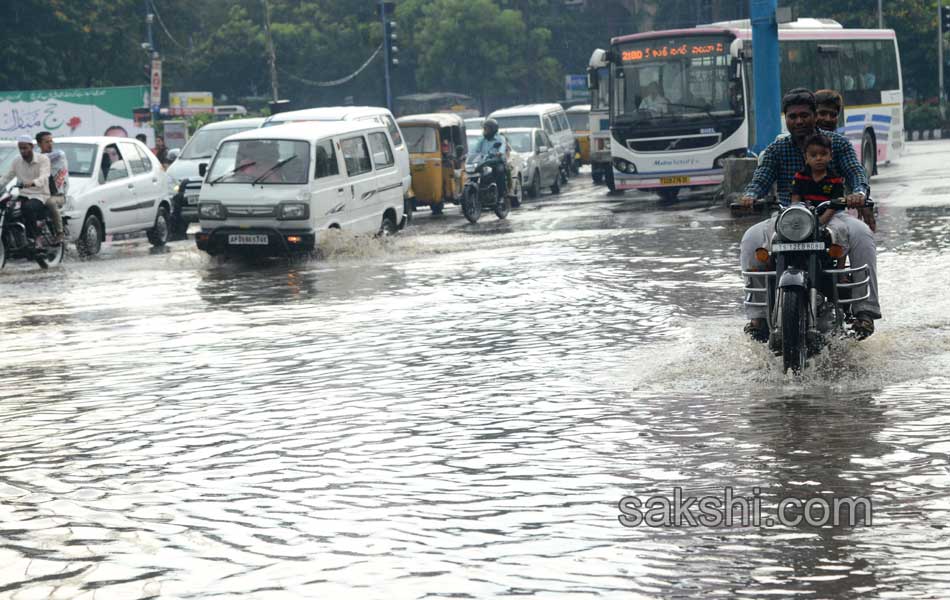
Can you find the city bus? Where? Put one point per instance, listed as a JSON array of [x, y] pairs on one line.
[[598, 82], [681, 100]]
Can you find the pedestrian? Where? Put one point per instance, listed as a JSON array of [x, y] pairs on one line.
[[58, 181], [161, 151]]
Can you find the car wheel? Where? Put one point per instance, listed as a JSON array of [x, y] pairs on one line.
[[388, 226], [518, 197], [90, 237], [158, 234], [535, 190]]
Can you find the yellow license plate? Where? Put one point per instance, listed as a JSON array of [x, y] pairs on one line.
[[678, 179]]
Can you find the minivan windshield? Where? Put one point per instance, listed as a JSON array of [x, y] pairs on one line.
[[206, 140], [266, 161], [579, 121], [514, 122]]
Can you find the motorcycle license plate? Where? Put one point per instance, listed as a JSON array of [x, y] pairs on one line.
[[678, 179], [241, 239], [799, 247]]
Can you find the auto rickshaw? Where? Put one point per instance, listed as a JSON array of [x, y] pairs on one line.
[[579, 118], [437, 151]]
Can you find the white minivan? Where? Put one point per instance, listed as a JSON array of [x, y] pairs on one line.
[[274, 190], [359, 113], [551, 118]]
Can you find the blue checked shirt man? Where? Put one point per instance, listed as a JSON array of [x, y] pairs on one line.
[[780, 161]]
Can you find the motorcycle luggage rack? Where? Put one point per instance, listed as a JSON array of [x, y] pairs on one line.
[[834, 273], [757, 290]]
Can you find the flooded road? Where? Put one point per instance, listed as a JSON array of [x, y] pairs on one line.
[[456, 412]]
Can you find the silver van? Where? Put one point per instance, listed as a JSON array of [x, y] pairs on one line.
[[550, 118]]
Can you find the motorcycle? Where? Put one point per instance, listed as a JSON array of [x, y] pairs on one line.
[[15, 241], [481, 190], [808, 293]]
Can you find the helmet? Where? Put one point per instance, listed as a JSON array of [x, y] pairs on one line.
[[491, 125]]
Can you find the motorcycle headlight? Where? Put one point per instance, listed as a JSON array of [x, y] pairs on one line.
[[469, 168], [214, 211], [487, 170], [293, 212], [796, 224]]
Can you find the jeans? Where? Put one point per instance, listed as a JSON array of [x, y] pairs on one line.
[[851, 233], [33, 211]]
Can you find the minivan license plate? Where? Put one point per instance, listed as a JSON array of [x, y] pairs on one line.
[[242, 239], [799, 247]]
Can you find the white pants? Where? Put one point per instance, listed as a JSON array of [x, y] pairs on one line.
[[851, 233]]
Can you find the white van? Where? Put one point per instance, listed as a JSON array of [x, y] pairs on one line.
[[273, 191], [359, 113], [184, 171], [549, 117]]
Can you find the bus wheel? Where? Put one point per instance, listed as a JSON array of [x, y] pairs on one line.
[[868, 154]]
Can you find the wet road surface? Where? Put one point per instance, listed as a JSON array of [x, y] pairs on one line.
[[457, 411]]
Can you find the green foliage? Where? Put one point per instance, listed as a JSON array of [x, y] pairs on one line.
[[922, 117]]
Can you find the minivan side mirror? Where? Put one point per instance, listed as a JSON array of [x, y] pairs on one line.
[[202, 169], [173, 154], [542, 149]]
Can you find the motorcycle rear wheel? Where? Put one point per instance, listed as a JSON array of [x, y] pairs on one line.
[[3, 254], [794, 330]]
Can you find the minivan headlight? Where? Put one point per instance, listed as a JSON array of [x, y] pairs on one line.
[[214, 211], [796, 224], [293, 211]]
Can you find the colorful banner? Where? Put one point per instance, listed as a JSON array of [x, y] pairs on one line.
[[89, 111]]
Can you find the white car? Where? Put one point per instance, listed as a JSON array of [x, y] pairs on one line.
[[116, 187], [8, 153], [534, 159], [550, 118]]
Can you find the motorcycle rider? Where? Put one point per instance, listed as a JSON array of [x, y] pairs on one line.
[[486, 147], [58, 183], [779, 163], [32, 171]]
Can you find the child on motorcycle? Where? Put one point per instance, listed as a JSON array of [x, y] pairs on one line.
[[818, 182]]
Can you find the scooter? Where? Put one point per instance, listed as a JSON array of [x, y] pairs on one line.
[[480, 189]]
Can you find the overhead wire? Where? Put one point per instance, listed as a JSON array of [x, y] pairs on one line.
[[335, 82]]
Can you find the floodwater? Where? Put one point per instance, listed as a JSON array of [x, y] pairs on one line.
[[457, 412]]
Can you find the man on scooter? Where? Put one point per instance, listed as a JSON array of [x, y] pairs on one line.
[[486, 147], [779, 163], [32, 171]]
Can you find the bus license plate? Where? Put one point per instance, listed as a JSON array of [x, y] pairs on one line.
[[241, 239], [800, 247], [678, 179]]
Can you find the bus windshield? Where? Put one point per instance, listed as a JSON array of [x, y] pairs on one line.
[[675, 78]]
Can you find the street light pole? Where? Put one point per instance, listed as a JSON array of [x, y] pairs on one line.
[[153, 56], [386, 57], [880, 15], [271, 55], [940, 55]]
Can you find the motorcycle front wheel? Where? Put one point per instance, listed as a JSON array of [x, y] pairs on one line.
[[3, 254], [794, 330], [471, 205]]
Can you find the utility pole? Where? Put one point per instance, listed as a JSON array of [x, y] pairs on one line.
[[155, 69], [386, 8], [880, 15], [765, 72], [940, 13], [271, 55]]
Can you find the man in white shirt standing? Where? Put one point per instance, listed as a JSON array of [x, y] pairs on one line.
[[58, 183], [32, 171]]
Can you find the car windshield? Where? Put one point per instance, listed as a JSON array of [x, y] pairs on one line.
[[419, 138], [520, 141], [81, 158], [579, 121], [514, 122], [677, 78], [265, 161], [206, 140], [7, 155]]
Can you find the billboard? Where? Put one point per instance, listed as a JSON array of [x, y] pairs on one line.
[[190, 103], [85, 111], [575, 88]]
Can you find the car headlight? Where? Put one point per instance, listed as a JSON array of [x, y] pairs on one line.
[[214, 211], [796, 224], [293, 211]]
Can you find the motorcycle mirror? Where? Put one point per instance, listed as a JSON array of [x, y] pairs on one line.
[[202, 169], [497, 145]]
